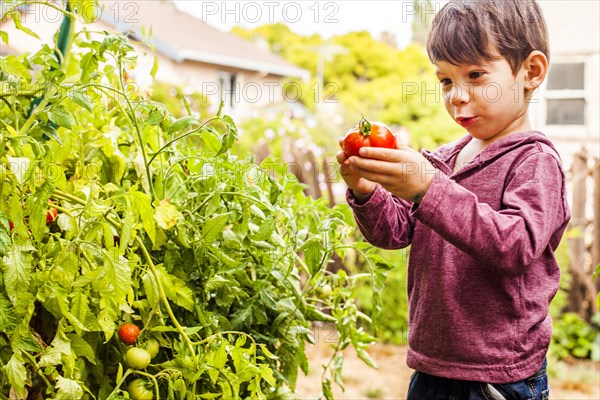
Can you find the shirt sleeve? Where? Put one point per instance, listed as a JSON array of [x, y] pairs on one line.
[[384, 219], [534, 209]]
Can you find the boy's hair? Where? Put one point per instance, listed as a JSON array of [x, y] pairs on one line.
[[467, 32]]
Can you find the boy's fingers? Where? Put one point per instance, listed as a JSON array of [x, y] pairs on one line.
[[383, 154], [373, 176], [373, 165], [340, 157]]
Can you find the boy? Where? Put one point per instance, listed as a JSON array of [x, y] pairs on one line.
[[483, 214]]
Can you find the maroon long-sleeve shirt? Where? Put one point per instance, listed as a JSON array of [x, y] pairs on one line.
[[482, 270]]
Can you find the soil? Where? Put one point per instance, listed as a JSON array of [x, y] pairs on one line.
[[579, 381]]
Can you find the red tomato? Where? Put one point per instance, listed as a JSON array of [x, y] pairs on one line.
[[128, 333], [51, 215], [11, 225], [367, 134]]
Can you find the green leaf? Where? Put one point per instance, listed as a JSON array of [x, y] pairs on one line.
[[176, 289], [212, 143], [363, 355], [117, 272], [211, 395], [82, 348], [267, 353], [17, 19], [220, 357], [314, 314], [16, 269], [119, 373], [80, 307], [213, 227], [89, 66], [4, 234], [313, 255], [154, 69], [61, 117], [8, 317], [22, 338], [4, 36], [229, 137], [181, 124], [49, 131], [141, 204], [13, 66], [37, 217], [266, 373], [155, 117], [265, 230], [327, 392], [80, 99], [166, 215], [243, 317], [16, 372], [68, 389]]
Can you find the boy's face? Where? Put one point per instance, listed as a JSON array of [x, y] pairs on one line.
[[487, 100]]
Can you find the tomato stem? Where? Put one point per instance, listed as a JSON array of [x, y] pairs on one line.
[[364, 126]]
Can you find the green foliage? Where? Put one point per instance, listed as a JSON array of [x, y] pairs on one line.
[[392, 323], [219, 260], [560, 301], [572, 336]]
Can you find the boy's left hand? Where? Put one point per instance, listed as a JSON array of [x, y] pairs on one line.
[[403, 172]]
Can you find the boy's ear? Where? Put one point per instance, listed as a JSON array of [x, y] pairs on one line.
[[535, 67]]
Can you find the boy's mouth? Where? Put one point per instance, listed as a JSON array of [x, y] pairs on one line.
[[465, 122]]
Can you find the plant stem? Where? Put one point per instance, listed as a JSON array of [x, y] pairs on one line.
[[163, 296], [170, 142], [32, 360], [137, 129]]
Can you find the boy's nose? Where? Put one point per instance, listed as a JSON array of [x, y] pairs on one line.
[[458, 95]]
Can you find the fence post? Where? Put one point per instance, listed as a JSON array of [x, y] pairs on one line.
[[329, 174], [596, 237], [581, 293]]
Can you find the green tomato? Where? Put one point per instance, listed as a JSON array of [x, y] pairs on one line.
[[138, 391], [88, 11], [326, 291], [137, 358], [152, 347]]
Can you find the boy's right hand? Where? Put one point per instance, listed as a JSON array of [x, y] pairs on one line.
[[361, 187]]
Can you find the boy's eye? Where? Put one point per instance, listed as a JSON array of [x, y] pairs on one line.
[[445, 82], [475, 74]]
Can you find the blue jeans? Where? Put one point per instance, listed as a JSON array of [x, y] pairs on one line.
[[428, 387]]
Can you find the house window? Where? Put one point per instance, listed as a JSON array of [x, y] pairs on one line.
[[227, 85], [566, 103], [565, 112]]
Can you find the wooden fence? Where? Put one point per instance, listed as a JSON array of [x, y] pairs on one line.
[[584, 234]]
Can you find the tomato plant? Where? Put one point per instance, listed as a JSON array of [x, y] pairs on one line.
[[367, 134], [222, 275]]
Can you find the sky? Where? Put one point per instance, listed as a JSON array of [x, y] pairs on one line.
[[307, 17]]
